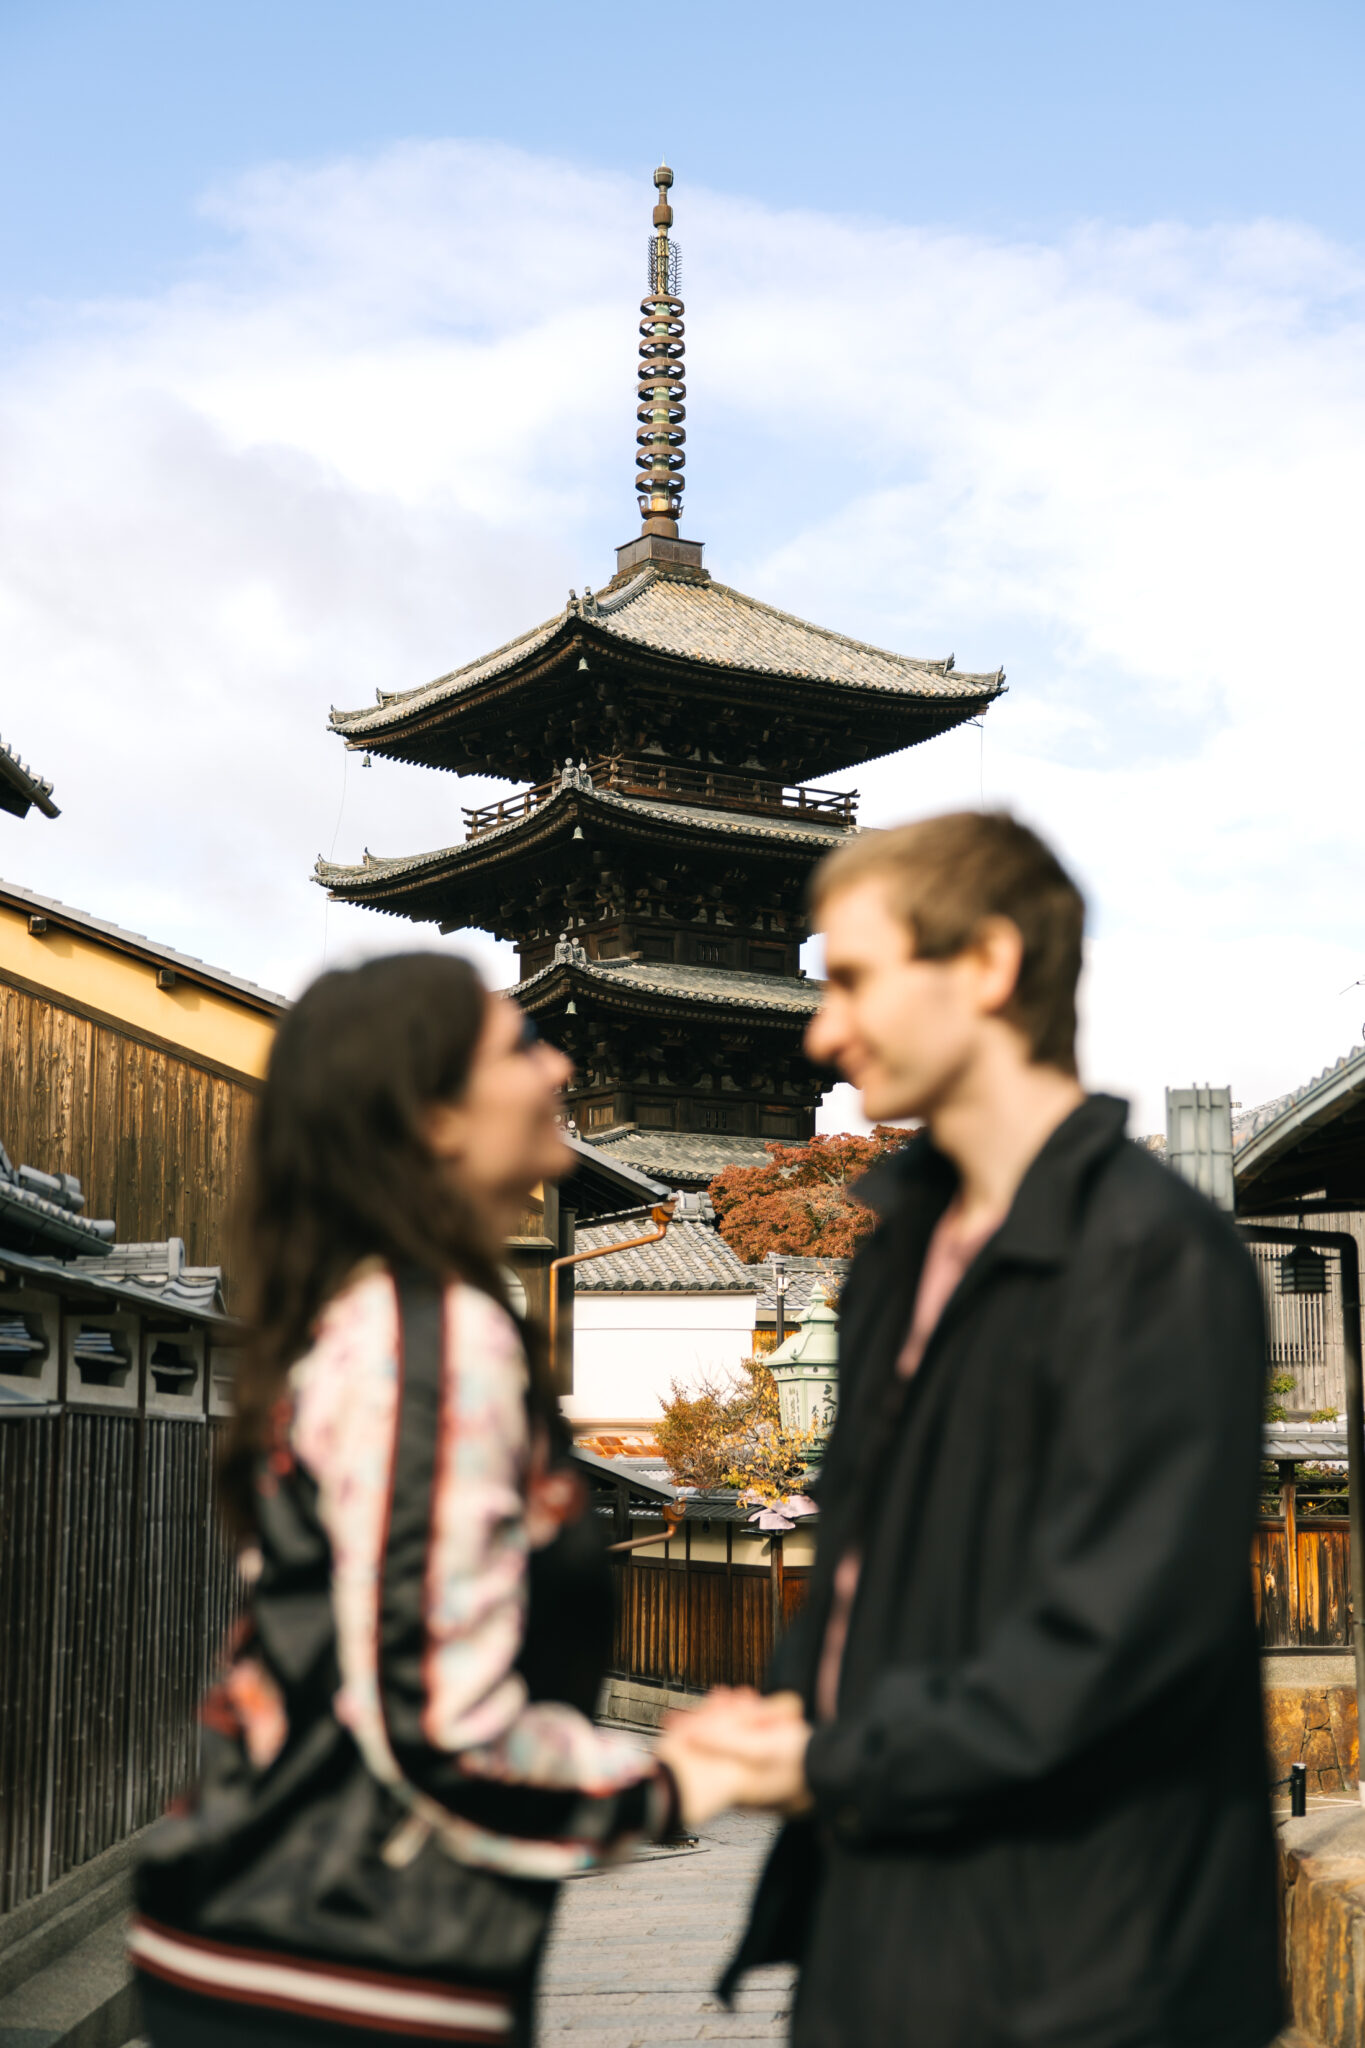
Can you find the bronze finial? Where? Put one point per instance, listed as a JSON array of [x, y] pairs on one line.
[[659, 437]]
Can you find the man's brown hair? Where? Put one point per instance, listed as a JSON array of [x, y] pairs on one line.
[[945, 876]]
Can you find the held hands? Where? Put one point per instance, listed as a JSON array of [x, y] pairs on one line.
[[738, 1748]]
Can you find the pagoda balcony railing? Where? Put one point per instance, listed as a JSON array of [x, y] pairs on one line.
[[679, 782]]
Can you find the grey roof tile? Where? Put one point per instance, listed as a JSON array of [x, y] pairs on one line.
[[694, 619], [1253, 1121], [134, 942], [377, 869], [160, 1268], [713, 623], [723, 986], [455, 681], [1310, 1441], [191, 1294], [684, 1158], [692, 1259], [803, 1275]]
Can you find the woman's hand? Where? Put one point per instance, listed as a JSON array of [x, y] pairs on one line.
[[739, 1748], [707, 1785]]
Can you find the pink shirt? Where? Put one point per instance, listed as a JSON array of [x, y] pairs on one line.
[[951, 1250]]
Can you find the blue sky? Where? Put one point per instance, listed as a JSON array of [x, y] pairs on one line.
[[1033, 333], [1015, 117]]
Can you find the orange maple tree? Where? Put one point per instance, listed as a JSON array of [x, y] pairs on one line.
[[720, 1434], [799, 1202]]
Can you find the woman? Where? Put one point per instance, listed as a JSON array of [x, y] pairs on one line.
[[399, 1763]]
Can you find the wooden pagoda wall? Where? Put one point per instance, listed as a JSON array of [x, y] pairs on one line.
[[156, 1139]]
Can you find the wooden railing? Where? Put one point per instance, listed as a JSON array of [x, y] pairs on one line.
[[677, 782]]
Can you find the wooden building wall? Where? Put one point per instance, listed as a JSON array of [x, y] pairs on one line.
[[157, 1141]]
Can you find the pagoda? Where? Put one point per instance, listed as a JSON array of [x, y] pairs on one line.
[[653, 875]]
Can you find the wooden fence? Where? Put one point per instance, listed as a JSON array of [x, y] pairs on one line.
[[695, 1624], [685, 1623], [1302, 1586], [116, 1591]]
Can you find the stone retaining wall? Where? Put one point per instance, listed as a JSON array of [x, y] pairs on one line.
[[633, 1703], [1310, 1718], [1322, 1890]]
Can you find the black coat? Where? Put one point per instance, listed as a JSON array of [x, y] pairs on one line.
[[1041, 1815]]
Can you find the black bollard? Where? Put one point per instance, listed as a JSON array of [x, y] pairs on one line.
[[1298, 1790]]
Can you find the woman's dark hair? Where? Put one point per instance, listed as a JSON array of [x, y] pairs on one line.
[[338, 1169]]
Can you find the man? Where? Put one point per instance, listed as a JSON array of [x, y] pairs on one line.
[[1016, 1729]]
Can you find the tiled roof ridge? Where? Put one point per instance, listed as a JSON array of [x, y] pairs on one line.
[[388, 700], [36, 787], [808, 1262], [654, 572], [761, 825], [189, 963], [692, 1258], [609, 601], [621, 1131], [680, 1156], [611, 604], [1254, 1121], [939, 668], [726, 984]]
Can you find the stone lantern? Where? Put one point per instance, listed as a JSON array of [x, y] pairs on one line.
[[806, 1369]]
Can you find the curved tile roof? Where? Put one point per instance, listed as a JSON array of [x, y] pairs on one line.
[[1273, 1127], [455, 680], [683, 1156], [1250, 1125], [1312, 1442], [693, 619], [713, 623], [719, 985], [792, 831], [804, 1275], [692, 1259]]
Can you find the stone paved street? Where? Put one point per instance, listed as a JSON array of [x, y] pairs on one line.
[[636, 1951]]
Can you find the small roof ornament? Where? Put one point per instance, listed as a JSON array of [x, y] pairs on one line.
[[660, 411]]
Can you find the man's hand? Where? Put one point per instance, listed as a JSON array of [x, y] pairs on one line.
[[737, 1740]]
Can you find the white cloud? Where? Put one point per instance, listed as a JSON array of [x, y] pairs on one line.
[[388, 420]]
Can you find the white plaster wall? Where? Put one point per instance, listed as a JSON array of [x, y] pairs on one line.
[[629, 1348]]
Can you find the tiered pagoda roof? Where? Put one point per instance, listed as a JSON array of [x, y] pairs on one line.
[[470, 882], [660, 990], [687, 655], [654, 874]]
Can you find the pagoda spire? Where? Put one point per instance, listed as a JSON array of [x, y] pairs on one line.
[[659, 459]]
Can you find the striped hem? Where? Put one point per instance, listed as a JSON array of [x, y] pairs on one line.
[[322, 1991]]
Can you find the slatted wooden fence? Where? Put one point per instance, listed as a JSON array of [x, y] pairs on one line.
[[696, 1624], [117, 1590], [1302, 1591], [687, 1623]]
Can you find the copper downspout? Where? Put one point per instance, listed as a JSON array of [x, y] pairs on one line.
[[663, 1216], [672, 1511]]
